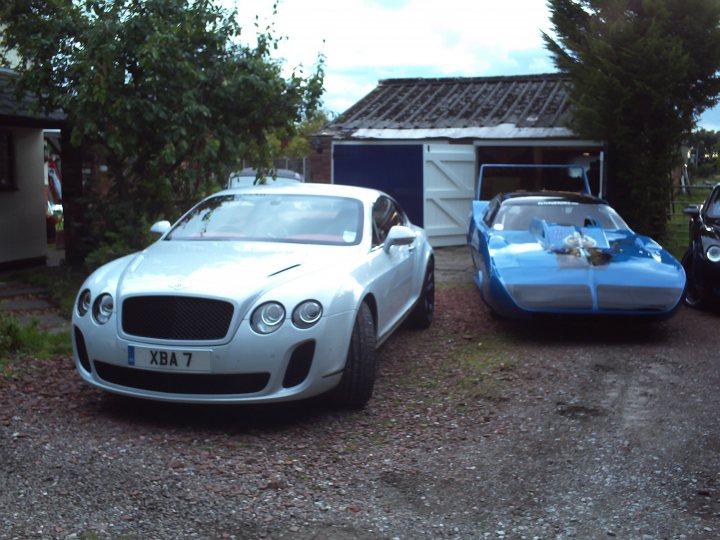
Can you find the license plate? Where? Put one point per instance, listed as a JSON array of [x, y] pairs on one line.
[[170, 359]]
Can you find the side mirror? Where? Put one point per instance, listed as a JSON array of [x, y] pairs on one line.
[[692, 211], [159, 228], [399, 235]]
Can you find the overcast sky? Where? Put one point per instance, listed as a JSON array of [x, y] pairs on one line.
[[367, 40]]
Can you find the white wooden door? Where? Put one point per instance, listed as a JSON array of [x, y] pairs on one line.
[[449, 174]]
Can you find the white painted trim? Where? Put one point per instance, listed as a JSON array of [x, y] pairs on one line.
[[501, 131], [389, 141], [572, 143]]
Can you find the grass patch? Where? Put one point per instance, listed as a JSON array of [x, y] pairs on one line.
[[479, 365], [28, 339], [465, 369], [61, 282]]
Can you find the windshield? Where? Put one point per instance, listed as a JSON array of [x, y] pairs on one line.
[[712, 209], [496, 179], [309, 219], [517, 216]]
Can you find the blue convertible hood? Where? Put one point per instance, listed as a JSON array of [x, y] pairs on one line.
[[570, 268], [563, 239], [554, 253]]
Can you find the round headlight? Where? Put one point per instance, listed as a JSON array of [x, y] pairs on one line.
[[713, 253], [267, 318], [83, 304], [307, 314], [103, 308]]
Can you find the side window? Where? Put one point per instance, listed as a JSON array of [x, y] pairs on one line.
[[386, 214], [713, 205]]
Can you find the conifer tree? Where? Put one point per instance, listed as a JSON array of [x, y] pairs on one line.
[[642, 71]]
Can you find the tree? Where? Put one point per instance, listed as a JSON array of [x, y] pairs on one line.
[[705, 153], [163, 91], [642, 71], [299, 145]]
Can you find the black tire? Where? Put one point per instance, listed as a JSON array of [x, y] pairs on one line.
[[358, 379], [693, 294], [422, 314]]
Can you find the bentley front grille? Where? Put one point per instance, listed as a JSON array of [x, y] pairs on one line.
[[176, 317]]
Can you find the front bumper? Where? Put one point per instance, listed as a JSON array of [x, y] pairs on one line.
[[523, 300], [289, 364], [706, 275]]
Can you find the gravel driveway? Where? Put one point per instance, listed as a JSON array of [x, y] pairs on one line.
[[477, 429]]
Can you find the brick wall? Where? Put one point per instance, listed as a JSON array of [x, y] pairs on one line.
[[320, 160]]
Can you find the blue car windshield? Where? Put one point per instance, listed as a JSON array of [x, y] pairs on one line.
[[516, 215], [307, 219]]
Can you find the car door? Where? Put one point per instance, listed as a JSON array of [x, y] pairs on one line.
[[394, 268], [481, 227]]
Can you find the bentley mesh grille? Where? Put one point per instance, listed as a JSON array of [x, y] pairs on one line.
[[551, 296], [637, 298], [182, 383], [176, 317]]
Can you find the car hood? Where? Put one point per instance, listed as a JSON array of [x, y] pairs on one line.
[[221, 269], [582, 255], [711, 229]]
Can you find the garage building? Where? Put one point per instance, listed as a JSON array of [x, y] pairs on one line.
[[423, 141]]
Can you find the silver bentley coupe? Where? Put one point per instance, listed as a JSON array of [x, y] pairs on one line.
[[258, 295]]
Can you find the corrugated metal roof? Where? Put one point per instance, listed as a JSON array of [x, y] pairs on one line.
[[444, 104]]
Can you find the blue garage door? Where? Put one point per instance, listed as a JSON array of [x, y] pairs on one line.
[[396, 169]]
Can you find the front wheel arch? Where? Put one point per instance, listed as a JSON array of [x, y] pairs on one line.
[[358, 379], [693, 295], [423, 312]]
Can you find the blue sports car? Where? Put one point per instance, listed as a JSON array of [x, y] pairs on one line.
[[567, 253]]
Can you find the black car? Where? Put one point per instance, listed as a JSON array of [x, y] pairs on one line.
[[702, 259]]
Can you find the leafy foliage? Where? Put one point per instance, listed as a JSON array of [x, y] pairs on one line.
[[162, 92], [642, 71], [299, 146], [705, 148]]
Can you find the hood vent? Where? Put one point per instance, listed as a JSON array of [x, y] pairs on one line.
[[284, 270]]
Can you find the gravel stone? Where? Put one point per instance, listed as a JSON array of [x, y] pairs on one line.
[[478, 428]]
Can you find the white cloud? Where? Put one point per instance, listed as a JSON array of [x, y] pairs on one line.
[[368, 40]]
